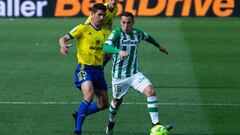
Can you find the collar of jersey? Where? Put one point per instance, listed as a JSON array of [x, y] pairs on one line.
[[95, 28]]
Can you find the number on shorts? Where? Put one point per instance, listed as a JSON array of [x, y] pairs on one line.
[[118, 89]]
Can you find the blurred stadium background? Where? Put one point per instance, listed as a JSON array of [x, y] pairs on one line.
[[198, 83]]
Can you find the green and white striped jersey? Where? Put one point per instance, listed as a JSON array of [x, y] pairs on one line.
[[124, 68]]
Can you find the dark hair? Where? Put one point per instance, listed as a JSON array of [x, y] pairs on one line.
[[98, 6], [128, 14]]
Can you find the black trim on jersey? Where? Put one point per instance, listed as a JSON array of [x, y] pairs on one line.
[[71, 37], [94, 27]]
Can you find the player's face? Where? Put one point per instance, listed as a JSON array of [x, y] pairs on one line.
[[97, 18], [112, 3], [126, 23]]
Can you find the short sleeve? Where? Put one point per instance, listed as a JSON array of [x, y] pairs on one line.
[[76, 32]]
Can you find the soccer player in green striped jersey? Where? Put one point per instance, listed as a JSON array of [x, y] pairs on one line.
[[125, 71]]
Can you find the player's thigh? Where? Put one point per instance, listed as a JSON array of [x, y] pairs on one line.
[[140, 82], [87, 90], [82, 74], [120, 87], [99, 81], [83, 81]]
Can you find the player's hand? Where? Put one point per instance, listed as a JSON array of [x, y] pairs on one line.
[[64, 49], [123, 54], [163, 50]]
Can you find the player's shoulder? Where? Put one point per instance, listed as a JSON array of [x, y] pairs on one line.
[[85, 26], [81, 25], [117, 30], [140, 33], [76, 28], [82, 28], [136, 30]]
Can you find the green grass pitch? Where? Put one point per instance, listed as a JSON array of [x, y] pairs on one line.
[[198, 83]]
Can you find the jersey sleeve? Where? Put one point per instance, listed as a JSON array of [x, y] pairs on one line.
[[76, 32], [109, 45], [113, 38], [143, 35]]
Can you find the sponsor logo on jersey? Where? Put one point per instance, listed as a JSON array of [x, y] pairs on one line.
[[129, 42]]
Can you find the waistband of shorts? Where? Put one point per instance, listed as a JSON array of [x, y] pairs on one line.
[[90, 65]]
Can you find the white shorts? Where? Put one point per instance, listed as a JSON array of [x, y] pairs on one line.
[[120, 86]]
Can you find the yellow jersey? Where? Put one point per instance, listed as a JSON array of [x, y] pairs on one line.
[[108, 20], [89, 43]]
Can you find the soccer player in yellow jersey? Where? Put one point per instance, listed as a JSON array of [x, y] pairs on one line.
[[89, 75], [111, 12]]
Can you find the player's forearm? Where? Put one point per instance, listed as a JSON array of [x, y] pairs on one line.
[[151, 40], [110, 49], [63, 41]]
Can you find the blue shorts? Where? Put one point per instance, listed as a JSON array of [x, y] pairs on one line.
[[95, 74]]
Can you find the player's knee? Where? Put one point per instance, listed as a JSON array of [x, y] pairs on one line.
[[117, 102], [149, 91], [89, 97]]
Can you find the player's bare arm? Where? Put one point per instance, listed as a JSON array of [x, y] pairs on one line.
[[63, 44]]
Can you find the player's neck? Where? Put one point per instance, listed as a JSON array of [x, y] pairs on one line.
[[96, 27], [127, 31]]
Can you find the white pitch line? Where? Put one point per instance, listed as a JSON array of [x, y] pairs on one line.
[[126, 103]]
